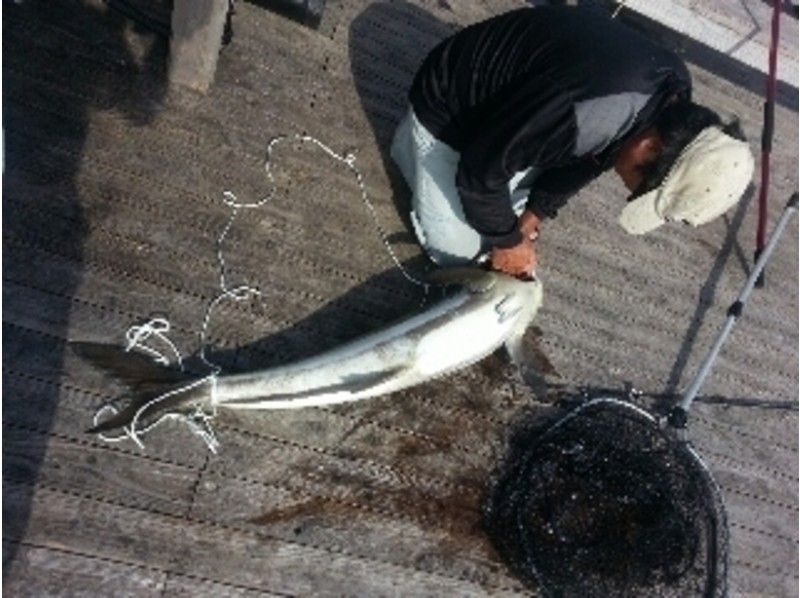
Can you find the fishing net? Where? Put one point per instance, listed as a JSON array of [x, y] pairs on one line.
[[604, 502]]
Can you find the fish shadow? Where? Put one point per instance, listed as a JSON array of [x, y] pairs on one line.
[[372, 305]]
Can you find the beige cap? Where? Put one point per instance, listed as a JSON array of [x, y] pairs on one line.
[[709, 176]]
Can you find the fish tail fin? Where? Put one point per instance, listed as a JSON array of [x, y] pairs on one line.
[[155, 389]]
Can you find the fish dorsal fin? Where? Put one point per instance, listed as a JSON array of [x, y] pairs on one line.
[[474, 279]]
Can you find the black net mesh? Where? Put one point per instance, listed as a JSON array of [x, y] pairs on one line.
[[604, 503]]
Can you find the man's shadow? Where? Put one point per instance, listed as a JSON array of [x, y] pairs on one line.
[[62, 61], [387, 44]]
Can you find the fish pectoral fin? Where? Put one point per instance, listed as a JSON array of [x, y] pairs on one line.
[[526, 360], [473, 279]]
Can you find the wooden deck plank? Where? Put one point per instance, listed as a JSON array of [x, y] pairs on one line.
[[77, 466], [425, 534], [44, 571], [257, 560], [185, 586]]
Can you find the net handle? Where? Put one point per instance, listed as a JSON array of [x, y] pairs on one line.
[[677, 418]]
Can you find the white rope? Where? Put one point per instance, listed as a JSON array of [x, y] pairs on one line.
[[349, 160], [199, 421], [136, 337]]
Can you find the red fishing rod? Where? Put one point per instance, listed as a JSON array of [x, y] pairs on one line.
[[767, 132]]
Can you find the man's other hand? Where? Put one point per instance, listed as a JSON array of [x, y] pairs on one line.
[[519, 261], [529, 225]]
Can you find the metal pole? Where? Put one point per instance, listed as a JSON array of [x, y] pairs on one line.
[[767, 132], [678, 416]]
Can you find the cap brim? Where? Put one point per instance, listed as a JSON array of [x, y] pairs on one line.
[[639, 216]]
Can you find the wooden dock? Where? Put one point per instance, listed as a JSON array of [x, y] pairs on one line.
[[113, 204]]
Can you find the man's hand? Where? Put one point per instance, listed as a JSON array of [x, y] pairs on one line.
[[529, 225], [519, 261]]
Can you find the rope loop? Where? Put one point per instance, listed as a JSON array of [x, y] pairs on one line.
[[349, 159], [136, 336]]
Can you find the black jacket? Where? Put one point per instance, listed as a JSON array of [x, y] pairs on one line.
[[556, 88]]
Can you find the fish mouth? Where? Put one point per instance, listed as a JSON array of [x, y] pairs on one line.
[[506, 309]]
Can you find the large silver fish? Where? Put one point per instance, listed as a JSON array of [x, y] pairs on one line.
[[489, 311]]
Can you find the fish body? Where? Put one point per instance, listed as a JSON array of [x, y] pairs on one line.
[[491, 310], [449, 336]]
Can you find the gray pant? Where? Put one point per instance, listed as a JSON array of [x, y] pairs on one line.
[[429, 167]]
